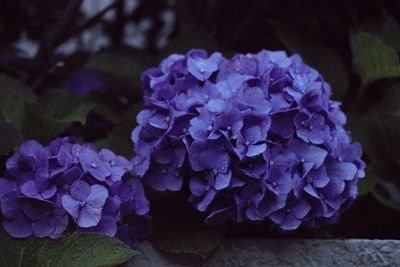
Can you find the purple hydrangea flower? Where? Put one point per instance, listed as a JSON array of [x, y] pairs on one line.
[[85, 203], [47, 190], [255, 137]]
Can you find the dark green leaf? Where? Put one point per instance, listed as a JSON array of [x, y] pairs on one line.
[[390, 103], [379, 135], [319, 56], [65, 106], [113, 64], [372, 58], [86, 250], [384, 27], [13, 96], [121, 145], [58, 111], [39, 125], [368, 183], [103, 106], [17, 253], [119, 139], [361, 127], [388, 194], [124, 64], [9, 137]]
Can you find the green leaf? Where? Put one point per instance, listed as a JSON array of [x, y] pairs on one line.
[[379, 135], [390, 103], [119, 139], [65, 106], [316, 54], [368, 183], [388, 194], [17, 253], [13, 96], [384, 27], [113, 64], [361, 128], [57, 110], [9, 137], [39, 125], [86, 250], [372, 58], [122, 64], [121, 145]]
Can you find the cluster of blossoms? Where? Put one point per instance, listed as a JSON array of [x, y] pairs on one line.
[[70, 187], [256, 137]]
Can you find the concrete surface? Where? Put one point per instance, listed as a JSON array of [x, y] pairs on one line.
[[282, 252]]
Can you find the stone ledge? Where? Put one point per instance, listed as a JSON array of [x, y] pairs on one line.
[[283, 252]]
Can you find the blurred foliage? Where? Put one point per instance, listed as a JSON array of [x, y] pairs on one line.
[[373, 59], [355, 44]]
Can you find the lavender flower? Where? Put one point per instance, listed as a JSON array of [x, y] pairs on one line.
[[255, 137], [85, 203], [66, 185]]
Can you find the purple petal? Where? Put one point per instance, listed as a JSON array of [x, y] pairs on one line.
[[208, 155], [18, 228], [61, 223], [29, 188], [216, 105], [79, 190], [10, 205], [44, 227], [106, 226], [48, 193], [71, 205], [290, 223], [301, 209], [7, 186], [167, 180], [222, 180], [30, 148], [254, 150], [89, 217], [208, 198], [344, 170], [97, 196], [310, 190], [198, 186]]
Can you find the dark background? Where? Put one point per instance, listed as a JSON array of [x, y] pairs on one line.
[[73, 68]]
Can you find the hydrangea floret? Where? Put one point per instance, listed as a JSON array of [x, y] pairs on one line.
[[256, 137], [66, 186]]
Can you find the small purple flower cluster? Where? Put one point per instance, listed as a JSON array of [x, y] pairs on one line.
[[257, 137], [67, 186]]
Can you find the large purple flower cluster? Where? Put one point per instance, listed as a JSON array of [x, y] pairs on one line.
[[256, 137], [67, 186]]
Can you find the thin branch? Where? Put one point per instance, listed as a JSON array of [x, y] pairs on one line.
[[90, 22], [48, 43]]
